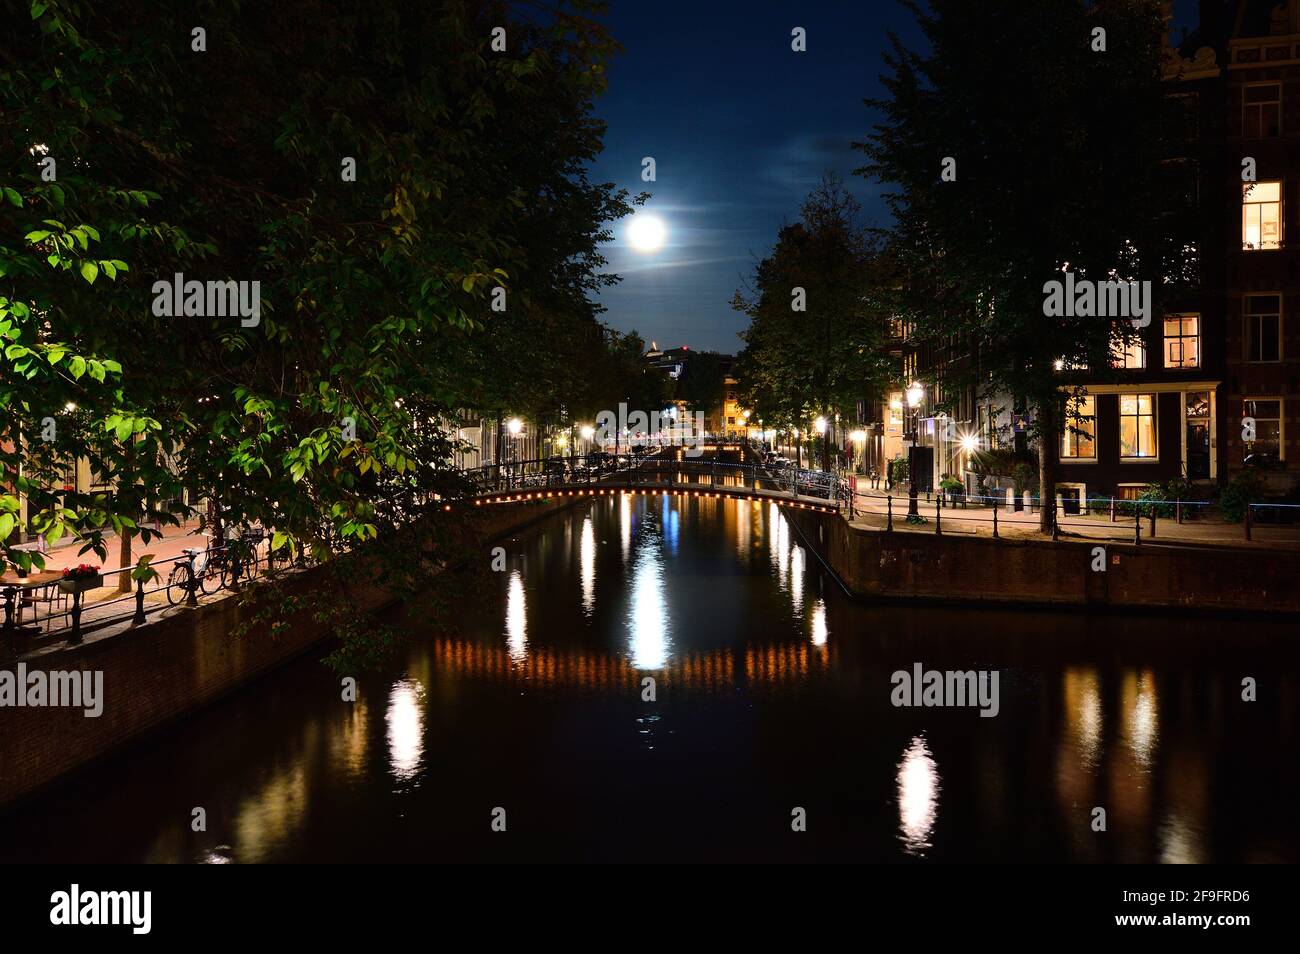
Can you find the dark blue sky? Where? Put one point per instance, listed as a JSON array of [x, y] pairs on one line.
[[741, 129]]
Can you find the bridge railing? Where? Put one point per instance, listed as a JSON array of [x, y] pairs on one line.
[[659, 469]]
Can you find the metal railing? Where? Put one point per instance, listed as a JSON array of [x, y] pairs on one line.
[[207, 570], [1197, 522]]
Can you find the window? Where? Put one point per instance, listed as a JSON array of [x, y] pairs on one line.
[[1137, 426], [1182, 341], [1261, 215], [1261, 111], [1267, 416], [1131, 355], [1079, 439], [1263, 332]]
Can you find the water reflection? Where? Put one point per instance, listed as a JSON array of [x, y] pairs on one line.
[[647, 617], [625, 524], [516, 618], [405, 721], [918, 797], [587, 561], [796, 578], [819, 630], [752, 693], [1139, 713], [780, 552]]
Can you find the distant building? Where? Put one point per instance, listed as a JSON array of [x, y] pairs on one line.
[[671, 362]]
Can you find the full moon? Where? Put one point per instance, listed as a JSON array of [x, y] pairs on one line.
[[646, 232]]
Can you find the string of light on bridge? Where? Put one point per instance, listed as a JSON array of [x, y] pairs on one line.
[[518, 497]]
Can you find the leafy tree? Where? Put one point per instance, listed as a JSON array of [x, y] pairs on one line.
[[325, 418], [1057, 152], [798, 364], [702, 384]]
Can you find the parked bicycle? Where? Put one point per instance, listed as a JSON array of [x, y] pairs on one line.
[[188, 576]]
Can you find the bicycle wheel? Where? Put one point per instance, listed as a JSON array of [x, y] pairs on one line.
[[214, 577], [178, 584]]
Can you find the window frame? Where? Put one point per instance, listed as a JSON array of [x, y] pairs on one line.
[[1246, 322], [1121, 352], [1258, 107], [1154, 397], [1167, 340], [1280, 202], [1071, 437], [1281, 422]]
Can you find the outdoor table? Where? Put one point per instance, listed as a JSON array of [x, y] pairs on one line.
[[44, 579]]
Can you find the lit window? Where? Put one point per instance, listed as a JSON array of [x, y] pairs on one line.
[[1079, 439], [1261, 111], [1261, 215], [1137, 425], [1182, 341], [1267, 445], [1131, 355], [1263, 331]]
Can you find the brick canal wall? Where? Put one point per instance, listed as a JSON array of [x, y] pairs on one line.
[[969, 569], [177, 664]]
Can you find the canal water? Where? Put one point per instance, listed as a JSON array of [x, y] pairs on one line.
[[773, 709]]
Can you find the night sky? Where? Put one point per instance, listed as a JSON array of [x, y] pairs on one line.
[[741, 128]]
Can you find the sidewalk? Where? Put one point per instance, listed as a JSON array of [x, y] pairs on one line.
[[872, 507], [107, 602]]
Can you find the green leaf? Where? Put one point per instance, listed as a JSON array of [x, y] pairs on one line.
[[89, 271], [14, 198], [39, 235]]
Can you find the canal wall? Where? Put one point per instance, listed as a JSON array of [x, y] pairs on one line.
[[181, 661], [957, 568]]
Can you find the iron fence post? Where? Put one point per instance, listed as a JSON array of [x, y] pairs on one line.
[[1137, 525], [192, 597], [1248, 506], [1055, 516], [75, 635], [889, 512], [995, 522], [138, 618], [938, 515]]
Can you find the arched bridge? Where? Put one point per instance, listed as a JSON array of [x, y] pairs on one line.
[[666, 471]]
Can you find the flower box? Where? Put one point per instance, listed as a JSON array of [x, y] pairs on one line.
[[81, 583]]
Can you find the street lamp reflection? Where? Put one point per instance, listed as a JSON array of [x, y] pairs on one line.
[[516, 618], [918, 796]]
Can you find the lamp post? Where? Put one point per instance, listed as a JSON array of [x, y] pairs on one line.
[[859, 439], [820, 425], [915, 394], [514, 426]]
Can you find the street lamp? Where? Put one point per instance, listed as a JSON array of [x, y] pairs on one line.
[[514, 426], [820, 425], [915, 394], [859, 438]]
